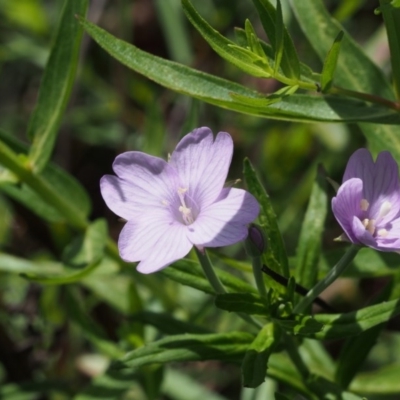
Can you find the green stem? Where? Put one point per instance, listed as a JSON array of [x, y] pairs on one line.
[[23, 171], [332, 275], [293, 352], [366, 97], [209, 271], [217, 285], [258, 276]]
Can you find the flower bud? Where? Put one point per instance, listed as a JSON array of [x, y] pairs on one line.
[[255, 243]]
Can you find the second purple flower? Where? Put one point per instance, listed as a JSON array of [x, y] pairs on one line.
[[367, 204]]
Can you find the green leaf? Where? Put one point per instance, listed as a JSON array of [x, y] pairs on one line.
[[16, 265], [382, 381], [252, 63], [62, 182], [165, 323], [82, 256], [329, 67], [56, 84], [252, 40], [221, 92], [279, 36], [300, 325], [254, 365], [75, 307], [391, 16], [338, 326], [309, 247], [275, 255], [219, 346], [320, 28], [243, 303], [290, 64]]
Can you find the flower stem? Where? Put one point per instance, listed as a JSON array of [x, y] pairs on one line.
[[212, 277], [209, 271], [332, 275], [258, 276], [294, 354]]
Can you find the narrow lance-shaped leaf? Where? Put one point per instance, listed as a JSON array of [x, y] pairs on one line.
[[279, 36], [309, 247], [290, 63], [227, 49], [254, 365], [329, 67], [275, 255], [220, 92], [248, 303], [319, 27], [56, 84]]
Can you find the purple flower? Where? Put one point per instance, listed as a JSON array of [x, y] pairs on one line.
[[367, 204], [172, 206]]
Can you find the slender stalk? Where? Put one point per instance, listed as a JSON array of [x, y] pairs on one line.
[[332, 275], [209, 272], [258, 276], [212, 277], [293, 352]]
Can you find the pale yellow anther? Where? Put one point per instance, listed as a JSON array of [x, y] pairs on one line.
[[365, 222], [165, 203], [371, 226], [382, 232], [364, 205], [385, 209], [182, 190]]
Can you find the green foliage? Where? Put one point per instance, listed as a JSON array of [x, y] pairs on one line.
[[78, 322]]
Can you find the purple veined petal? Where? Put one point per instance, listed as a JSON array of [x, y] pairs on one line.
[[385, 187], [153, 240], [203, 163], [390, 241], [361, 165], [347, 205], [144, 183], [362, 235], [224, 222]]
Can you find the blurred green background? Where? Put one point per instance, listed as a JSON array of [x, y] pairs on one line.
[[112, 110]]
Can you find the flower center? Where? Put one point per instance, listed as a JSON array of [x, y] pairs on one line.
[[370, 224], [186, 212]]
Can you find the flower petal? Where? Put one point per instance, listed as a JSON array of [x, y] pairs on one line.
[[224, 222], [144, 183], [362, 235], [346, 205], [390, 241], [360, 165], [203, 163], [385, 187], [153, 240]]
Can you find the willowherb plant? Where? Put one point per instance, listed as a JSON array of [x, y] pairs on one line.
[[260, 312]]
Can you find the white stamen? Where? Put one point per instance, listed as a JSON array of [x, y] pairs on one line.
[[365, 222], [184, 209], [382, 232], [165, 203], [364, 205], [385, 209], [371, 226]]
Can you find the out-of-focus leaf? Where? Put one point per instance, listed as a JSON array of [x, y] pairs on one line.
[[59, 180], [290, 64], [336, 326], [243, 303], [17, 265], [329, 67], [309, 247], [279, 36], [90, 329], [56, 84], [167, 324], [254, 365], [382, 381], [217, 91], [82, 256], [32, 390], [320, 29], [391, 15], [275, 255], [190, 347]]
